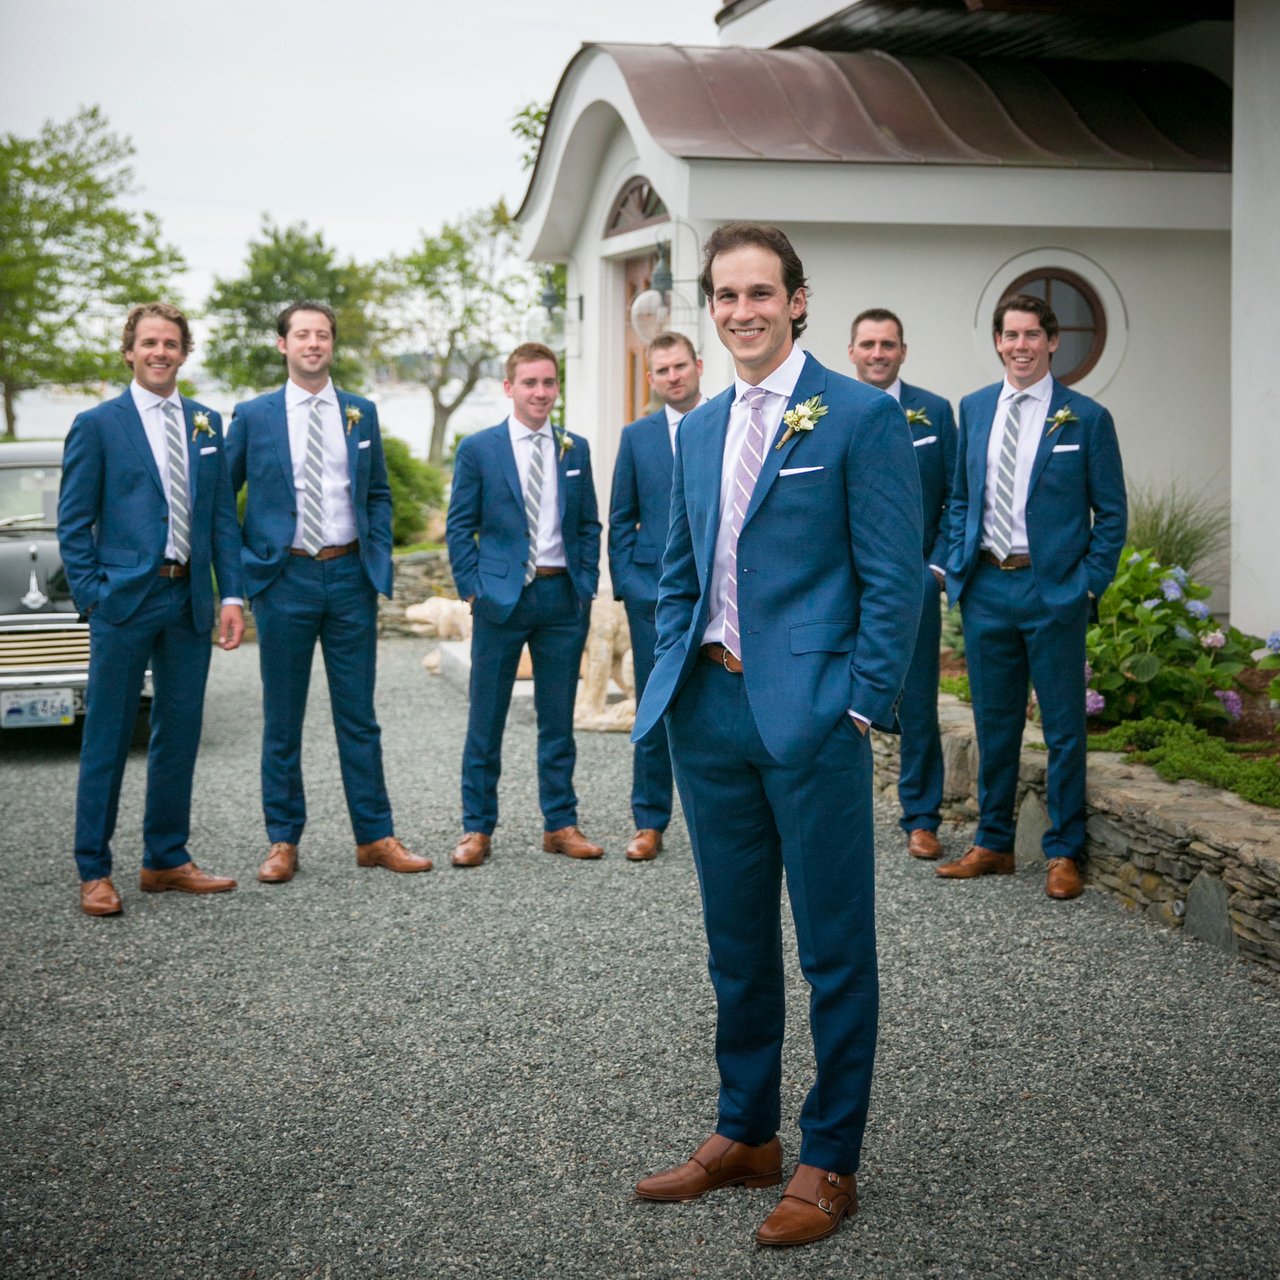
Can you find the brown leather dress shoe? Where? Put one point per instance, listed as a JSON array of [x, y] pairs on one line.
[[645, 845], [187, 878], [280, 864], [922, 843], [389, 852], [976, 861], [471, 850], [571, 842], [99, 898], [719, 1162], [1064, 879], [811, 1207]]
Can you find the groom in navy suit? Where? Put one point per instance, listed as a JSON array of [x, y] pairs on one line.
[[639, 514], [317, 551], [1038, 519], [145, 513], [787, 611], [878, 350]]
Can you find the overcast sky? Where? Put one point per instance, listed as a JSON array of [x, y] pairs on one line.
[[371, 119]]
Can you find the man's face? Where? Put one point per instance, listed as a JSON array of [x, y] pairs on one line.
[[674, 375], [156, 354], [1024, 348], [533, 391], [877, 352], [307, 347], [751, 310]]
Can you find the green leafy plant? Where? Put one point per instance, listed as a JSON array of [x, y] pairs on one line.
[[1272, 663], [957, 686], [1181, 524], [416, 488]]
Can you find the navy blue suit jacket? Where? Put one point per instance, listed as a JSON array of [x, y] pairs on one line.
[[640, 509], [113, 519], [258, 453], [1077, 512], [486, 531], [828, 566], [935, 446]]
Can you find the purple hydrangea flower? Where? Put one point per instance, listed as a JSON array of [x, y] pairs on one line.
[[1273, 641], [1088, 671], [1213, 640], [1231, 703], [1094, 702], [1171, 589], [1181, 632], [1136, 558], [1198, 609], [1179, 575], [1154, 603]]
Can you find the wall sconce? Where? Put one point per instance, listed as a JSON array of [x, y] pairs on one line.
[[551, 322], [662, 306]]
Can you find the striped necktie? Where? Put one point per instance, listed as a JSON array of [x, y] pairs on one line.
[[533, 503], [313, 468], [750, 460], [179, 494], [1002, 508]]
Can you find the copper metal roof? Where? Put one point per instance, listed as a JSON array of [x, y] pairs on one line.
[[873, 107]]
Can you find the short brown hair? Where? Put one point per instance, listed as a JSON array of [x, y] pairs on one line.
[[877, 315], [527, 353], [160, 311], [739, 235], [666, 340], [1037, 307], [285, 318]]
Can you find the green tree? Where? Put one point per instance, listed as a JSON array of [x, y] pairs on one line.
[[528, 125], [70, 256], [416, 488], [459, 300], [283, 265]]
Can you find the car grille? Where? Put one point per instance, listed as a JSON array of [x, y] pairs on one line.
[[43, 648]]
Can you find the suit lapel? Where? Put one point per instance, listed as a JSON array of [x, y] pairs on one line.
[[563, 457], [659, 445], [979, 442], [704, 474], [193, 449], [812, 382], [136, 434], [278, 423], [352, 436], [507, 460], [1057, 399]]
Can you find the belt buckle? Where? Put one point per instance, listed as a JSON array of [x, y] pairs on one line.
[[1005, 568]]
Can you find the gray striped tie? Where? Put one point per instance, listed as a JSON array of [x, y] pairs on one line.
[[1002, 509], [179, 494], [750, 460], [313, 470], [533, 504]]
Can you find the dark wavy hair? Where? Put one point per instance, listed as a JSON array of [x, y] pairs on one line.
[[161, 311], [285, 318], [760, 235], [1037, 307]]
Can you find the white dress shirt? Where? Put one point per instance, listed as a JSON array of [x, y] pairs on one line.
[[1031, 419], [338, 518], [148, 405], [675, 418], [896, 390], [550, 548]]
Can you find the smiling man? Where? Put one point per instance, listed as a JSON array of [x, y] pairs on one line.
[[1038, 519], [787, 611]]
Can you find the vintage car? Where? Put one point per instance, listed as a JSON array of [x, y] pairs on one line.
[[44, 645]]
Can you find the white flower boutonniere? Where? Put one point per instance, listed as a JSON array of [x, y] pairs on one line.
[[353, 417], [1060, 419], [564, 440], [200, 426], [802, 418], [918, 417]]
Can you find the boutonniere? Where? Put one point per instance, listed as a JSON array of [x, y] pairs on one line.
[[1060, 419], [801, 418], [564, 440], [200, 425], [918, 417], [353, 417]]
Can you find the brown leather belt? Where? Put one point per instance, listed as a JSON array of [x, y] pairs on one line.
[[172, 569], [549, 570], [722, 657], [1009, 562], [326, 553]]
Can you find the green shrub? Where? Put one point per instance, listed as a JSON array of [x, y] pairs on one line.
[[416, 488], [1180, 524], [958, 686]]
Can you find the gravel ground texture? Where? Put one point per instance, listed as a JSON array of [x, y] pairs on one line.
[[463, 1074]]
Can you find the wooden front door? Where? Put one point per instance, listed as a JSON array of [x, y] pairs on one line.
[[639, 276]]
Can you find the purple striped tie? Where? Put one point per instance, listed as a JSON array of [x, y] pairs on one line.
[[750, 461]]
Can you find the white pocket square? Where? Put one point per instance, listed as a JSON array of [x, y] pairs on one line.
[[578, 472], [925, 440], [213, 448], [798, 471], [1066, 448], [364, 444]]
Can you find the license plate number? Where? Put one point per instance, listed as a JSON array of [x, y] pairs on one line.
[[30, 709]]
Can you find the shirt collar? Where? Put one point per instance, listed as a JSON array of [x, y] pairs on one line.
[[675, 417], [896, 390], [781, 382], [1041, 390], [518, 429], [145, 399], [294, 394]]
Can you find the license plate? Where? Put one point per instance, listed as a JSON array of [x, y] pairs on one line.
[[30, 709]]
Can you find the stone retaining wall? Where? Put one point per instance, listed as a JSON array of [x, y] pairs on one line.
[[418, 576], [1186, 855]]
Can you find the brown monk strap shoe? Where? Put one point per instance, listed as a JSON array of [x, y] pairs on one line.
[[571, 842], [1064, 879], [471, 850], [922, 843], [976, 861], [187, 878], [280, 864], [811, 1207], [719, 1162], [99, 898], [645, 845], [389, 852]]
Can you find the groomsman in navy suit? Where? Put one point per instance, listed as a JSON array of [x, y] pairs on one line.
[[524, 546], [1038, 519], [787, 611], [878, 350], [317, 551], [639, 514], [144, 515]]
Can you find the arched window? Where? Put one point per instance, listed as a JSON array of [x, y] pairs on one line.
[[636, 205], [1082, 322]]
